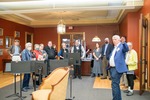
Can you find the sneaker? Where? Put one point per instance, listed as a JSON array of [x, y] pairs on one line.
[[80, 77], [126, 91], [129, 93], [29, 87], [74, 77], [24, 89], [93, 75]]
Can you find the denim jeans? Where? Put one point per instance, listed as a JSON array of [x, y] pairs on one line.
[[26, 80], [115, 76]]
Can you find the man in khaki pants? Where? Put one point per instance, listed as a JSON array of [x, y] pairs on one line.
[[106, 50]]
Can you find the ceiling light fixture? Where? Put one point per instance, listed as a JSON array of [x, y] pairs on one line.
[[61, 27], [96, 39]]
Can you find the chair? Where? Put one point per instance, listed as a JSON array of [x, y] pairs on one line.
[[53, 87]]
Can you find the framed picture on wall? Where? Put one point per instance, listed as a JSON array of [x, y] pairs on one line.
[[17, 34], [1, 52], [1, 41], [1, 32]]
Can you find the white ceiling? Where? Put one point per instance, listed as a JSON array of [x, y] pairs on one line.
[[43, 13]]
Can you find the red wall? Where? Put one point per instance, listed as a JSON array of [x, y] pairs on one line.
[[129, 26], [123, 27], [8, 30], [146, 8], [43, 35]]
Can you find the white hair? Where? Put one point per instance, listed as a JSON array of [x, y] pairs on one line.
[[116, 37], [129, 43], [28, 44]]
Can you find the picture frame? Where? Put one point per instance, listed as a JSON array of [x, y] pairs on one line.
[[17, 34], [9, 40], [1, 52], [1, 32], [1, 42]]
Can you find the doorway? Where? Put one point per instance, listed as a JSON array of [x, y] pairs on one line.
[[70, 37], [144, 54]]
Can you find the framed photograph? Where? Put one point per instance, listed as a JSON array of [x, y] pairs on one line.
[[1, 52], [1, 41], [17, 34], [9, 40], [1, 32]]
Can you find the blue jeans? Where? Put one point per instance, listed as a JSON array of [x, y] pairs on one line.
[[26, 80], [115, 76]]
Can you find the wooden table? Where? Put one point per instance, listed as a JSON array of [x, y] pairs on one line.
[[4, 61], [86, 67]]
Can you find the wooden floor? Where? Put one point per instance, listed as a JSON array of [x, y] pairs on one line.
[[7, 79], [106, 84]]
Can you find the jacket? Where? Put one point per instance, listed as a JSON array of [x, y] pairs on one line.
[[12, 49], [108, 51], [131, 60], [119, 58], [26, 55]]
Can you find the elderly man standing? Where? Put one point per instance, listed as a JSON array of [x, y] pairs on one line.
[[117, 65], [106, 50], [26, 56], [78, 48]]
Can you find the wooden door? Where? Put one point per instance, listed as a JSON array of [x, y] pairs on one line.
[[69, 38], [148, 69], [143, 25]]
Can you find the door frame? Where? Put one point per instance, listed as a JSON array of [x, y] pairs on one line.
[[148, 69], [143, 51], [27, 33], [59, 41]]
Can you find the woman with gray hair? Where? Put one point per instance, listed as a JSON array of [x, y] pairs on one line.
[[26, 56], [131, 61]]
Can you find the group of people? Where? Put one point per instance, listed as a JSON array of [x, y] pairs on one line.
[[101, 58], [113, 60], [42, 53], [110, 60]]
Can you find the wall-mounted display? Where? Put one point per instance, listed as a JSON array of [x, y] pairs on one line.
[[17, 34], [1, 52], [1, 32], [1, 41]]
